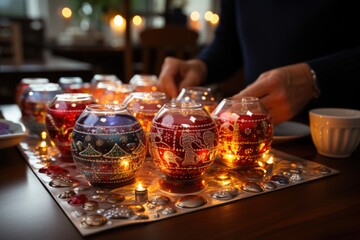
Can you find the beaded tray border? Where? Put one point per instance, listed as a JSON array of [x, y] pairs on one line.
[[93, 210]]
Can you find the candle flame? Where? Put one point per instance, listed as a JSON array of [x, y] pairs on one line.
[[260, 163], [43, 144], [140, 187], [270, 160], [43, 135], [125, 164]]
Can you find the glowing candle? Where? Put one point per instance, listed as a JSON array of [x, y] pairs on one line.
[[269, 166], [141, 194]]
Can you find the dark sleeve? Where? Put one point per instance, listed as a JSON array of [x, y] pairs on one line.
[[338, 77], [223, 56]]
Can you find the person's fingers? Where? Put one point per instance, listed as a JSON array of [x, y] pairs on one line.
[[257, 89], [167, 78], [190, 79]]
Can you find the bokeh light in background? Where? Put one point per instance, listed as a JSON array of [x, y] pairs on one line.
[[66, 12]]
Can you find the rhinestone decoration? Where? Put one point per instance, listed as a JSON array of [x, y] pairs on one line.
[[225, 193], [252, 187], [67, 194], [90, 205], [268, 185], [97, 208], [190, 201], [279, 179], [119, 213], [159, 200], [95, 220]]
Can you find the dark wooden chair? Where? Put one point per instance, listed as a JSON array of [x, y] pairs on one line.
[[11, 51], [158, 43]]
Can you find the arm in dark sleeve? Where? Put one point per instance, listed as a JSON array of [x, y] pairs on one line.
[[338, 77], [223, 56]]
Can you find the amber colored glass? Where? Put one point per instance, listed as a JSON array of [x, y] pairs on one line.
[[144, 82]]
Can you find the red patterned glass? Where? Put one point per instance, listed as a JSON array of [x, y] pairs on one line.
[[183, 141], [61, 116], [245, 131]]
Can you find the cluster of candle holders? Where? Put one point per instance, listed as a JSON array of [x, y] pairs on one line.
[[151, 158]]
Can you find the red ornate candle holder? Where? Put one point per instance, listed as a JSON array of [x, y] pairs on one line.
[[245, 132], [61, 116], [183, 143]]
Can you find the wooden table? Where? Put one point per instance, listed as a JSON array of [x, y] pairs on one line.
[[327, 208], [51, 67]]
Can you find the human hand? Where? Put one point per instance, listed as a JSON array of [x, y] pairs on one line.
[[177, 74], [283, 91]]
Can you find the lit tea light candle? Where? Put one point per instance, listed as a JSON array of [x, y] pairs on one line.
[[141, 194], [269, 166], [125, 165], [42, 147]]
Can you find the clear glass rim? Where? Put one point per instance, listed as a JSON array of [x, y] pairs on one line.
[[196, 89], [44, 87], [246, 99], [34, 80], [105, 108], [183, 105], [70, 80], [110, 77], [74, 96], [123, 88], [148, 95], [143, 79]]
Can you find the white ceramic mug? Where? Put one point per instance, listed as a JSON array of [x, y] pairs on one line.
[[335, 131]]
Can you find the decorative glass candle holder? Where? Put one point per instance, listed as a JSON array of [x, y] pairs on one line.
[[84, 87], [245, 131], [145, 105], [100, 83], [66, 82], [108, 145], [144, 82], [117, 94], [24, 84], [202, 95], [183, 143], [61, 116], [34, 104]]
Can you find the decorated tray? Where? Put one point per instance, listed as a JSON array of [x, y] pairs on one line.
[[93, 209]]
